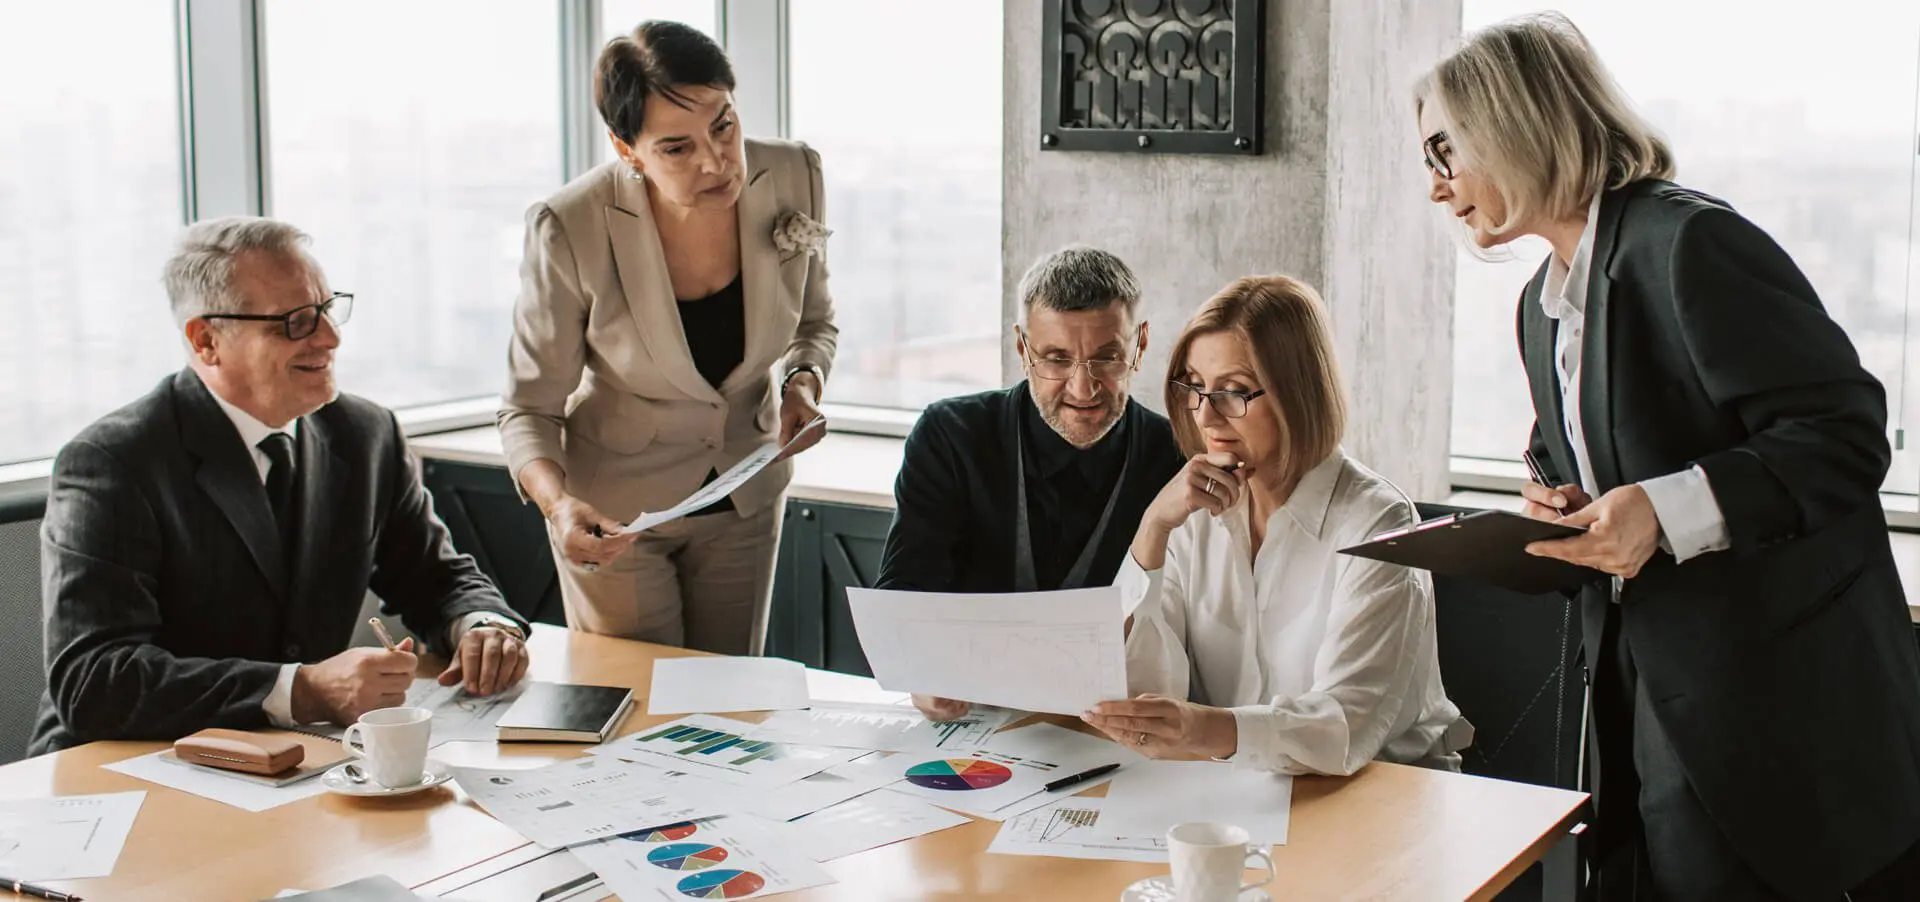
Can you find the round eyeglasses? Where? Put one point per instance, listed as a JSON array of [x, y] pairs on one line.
[[1226, 402], [303, 321]]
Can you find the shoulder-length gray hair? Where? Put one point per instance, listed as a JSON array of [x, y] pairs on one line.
[[1528, 105]]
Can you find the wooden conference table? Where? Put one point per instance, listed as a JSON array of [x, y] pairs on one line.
[[1390, 832]]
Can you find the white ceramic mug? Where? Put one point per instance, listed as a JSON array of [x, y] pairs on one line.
[[395, 744], [1208, 860]]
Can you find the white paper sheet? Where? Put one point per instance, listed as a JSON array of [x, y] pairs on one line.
[[893, 728], [723, 485], [580, 800], [723, 858], [1015, 765], [712, 685], [1054, 652], [869, 822], [67, 837], [208, 783], [525, 874], [1070, 828], [1148, 797], [825, 789], [717, 749], [457, 716]]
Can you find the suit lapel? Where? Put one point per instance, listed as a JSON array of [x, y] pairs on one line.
[[227, 473], [643, 279], [317, 468], [1596, 408], [767, 330], [1539, 334]]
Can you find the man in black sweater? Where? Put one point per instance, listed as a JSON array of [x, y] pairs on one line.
[[1039, 486]]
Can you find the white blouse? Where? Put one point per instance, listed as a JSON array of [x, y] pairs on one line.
[[1327, 661]]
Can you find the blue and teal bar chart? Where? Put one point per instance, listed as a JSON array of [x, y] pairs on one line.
[[705, 742]]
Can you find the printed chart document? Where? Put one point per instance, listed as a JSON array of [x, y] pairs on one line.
[[526, 874], [893, 728], [457, 716], [1052, 652], [869, 822], [717, 748], [1015, 765], [723, 858], [711, 685], [1070, 828], [580, 800], [208, 783], [736, 476], [1148, 797], [65, 838]]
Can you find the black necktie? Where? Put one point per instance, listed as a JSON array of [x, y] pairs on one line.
[[279, 449]]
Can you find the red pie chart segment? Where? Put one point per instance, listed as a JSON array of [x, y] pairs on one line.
[[958, 774]]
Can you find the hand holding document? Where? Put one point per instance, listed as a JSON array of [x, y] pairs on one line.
[[735, 476], [1051, 652]]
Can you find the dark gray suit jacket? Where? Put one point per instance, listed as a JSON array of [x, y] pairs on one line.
[[1784, 668], [170, 605]]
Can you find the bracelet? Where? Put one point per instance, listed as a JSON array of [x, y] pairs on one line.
[[819, 375]]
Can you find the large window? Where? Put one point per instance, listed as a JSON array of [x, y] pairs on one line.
[[409, 139], [1805, 123], [90, 197], [913, 194]]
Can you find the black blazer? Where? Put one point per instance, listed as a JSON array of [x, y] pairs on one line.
[[953, 520], [170, 606], [1784, 668]]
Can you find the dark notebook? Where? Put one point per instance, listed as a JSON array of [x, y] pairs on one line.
[[1487, 546], [565, 712]]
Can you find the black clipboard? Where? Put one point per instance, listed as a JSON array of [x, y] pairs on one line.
[[1488, 546]]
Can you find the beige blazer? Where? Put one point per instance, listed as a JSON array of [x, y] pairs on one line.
[[601, 381]]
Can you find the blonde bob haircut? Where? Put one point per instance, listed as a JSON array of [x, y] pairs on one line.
[[1529, 107], [1284, 325]]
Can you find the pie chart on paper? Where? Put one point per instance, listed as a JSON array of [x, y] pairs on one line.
[[958, 774], [687, 856], [667, 833], [724, 884]]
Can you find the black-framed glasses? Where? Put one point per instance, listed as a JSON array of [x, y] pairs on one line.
[[1439, 153], [1226, 402], [303, 321], [1060, 369]]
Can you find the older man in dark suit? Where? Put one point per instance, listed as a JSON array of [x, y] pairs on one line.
[[207, 548]]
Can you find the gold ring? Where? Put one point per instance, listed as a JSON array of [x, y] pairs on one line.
[[1141, 739]]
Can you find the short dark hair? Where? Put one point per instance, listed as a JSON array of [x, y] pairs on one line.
[[659, 57], [1078, 277]]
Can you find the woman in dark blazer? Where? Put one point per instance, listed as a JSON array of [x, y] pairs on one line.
[[1756, 690], [673, 317]]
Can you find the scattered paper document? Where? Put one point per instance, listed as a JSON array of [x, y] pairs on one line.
[[457, 715], [722, 486], [580, 800], [67, 837], [869, 822], [825, 789], [717, 749], [827, 686], [893, 728], [1070, 828], [526, 874], [723, 858], [366, 889], [696, 685], [1015, 765], [1148, 797], [1054, 652], [209, 783]]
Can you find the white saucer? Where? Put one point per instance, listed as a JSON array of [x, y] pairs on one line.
[[336, 780], [1160, 889]]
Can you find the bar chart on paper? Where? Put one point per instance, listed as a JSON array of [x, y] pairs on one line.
[[891, 728], [717, 749]]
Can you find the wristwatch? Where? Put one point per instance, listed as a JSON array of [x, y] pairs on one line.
[[819, 375], [502, 624]]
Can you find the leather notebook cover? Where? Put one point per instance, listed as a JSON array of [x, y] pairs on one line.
[[565, 712], [1486, 546]]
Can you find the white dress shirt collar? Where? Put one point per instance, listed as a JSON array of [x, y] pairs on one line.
[[1566, 288], [252, 432], [1310, 500]]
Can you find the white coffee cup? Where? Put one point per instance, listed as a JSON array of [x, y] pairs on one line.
[[1208, 860], [395, 744]]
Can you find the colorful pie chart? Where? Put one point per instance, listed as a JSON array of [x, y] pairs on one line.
[[668, 833], [724, 884], [687, 856], [958, 774]]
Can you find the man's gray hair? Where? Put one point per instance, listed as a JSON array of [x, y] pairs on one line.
[[199, 275], [1078, 277]]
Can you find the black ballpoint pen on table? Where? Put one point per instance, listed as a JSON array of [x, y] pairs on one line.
[[38, 892], [1082, 776]]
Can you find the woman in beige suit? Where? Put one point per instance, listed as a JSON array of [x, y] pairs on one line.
[[673, 316]]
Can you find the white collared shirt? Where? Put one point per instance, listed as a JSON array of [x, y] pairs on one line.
[[1691, 523], [1327, 661]]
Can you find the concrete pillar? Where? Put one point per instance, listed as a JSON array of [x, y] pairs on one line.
[[1337, 199]]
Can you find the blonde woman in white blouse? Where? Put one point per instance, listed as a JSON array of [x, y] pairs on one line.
[[1253, 641]]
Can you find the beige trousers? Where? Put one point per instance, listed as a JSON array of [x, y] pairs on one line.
[[697, 582]]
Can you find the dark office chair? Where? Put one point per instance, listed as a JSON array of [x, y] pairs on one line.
[[507, 539], [1512, 664]]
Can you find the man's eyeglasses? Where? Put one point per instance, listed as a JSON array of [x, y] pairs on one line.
[[1060, 369], [300, 322], [1226, 402], [1439, 153]]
